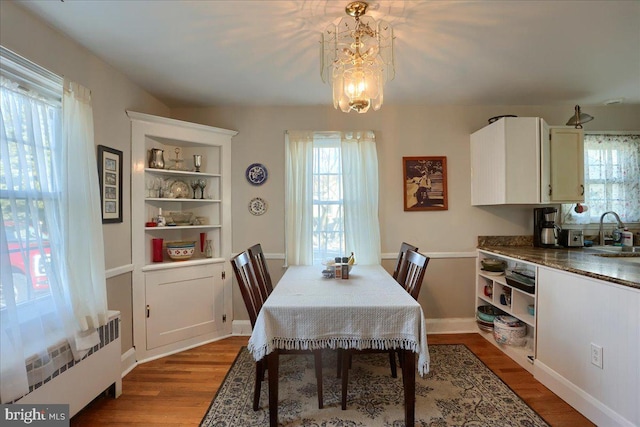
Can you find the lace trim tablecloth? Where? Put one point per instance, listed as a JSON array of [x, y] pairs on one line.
[[370, 310]]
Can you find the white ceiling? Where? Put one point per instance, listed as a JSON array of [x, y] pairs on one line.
[[220, 53]]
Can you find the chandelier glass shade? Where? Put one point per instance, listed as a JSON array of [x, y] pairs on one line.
[[357, 59]]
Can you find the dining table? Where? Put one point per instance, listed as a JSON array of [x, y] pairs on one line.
[[369, 310]]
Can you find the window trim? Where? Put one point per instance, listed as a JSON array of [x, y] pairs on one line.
[[31, 76]]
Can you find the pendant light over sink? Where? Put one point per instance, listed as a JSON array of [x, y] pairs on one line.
[[579, 118]]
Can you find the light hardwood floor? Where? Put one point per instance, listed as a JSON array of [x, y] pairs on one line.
[[177, 390]]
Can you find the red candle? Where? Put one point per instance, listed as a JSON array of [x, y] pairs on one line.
[[156, 245], [203, 236]]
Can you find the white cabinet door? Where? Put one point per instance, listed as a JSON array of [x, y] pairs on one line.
[[183, 303], [566, 165], [505, 162]]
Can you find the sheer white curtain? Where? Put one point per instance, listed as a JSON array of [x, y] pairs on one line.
[[299, 197], [82, 218], [30, 129], [48, 205], [612, 179], [360, 195]]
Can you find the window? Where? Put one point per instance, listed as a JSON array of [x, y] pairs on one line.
[[31, 129], [328, 212], [612, 179], [331, 197], [52, 289]]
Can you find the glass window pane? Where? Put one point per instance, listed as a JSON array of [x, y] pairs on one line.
[[328, 225]]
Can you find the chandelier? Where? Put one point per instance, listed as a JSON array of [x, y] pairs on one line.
[[357, 59]]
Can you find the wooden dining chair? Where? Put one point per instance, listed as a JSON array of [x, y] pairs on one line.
[[252, 294], [262, 271], [404, 247], [410, 276]]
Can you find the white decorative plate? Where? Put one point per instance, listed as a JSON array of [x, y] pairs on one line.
[[180, 190], [257, 206], [256, 174]]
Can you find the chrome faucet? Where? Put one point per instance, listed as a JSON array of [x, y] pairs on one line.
[[620, 225]]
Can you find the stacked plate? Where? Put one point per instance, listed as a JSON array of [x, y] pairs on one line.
[[493, 266], [486, 315]]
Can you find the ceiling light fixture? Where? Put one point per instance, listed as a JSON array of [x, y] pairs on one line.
[[357, 59], [578, 118]]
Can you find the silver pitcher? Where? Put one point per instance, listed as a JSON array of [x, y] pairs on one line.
[[156, 158]]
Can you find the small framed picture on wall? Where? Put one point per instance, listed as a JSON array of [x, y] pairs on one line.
[[425, 183], [110, 177]]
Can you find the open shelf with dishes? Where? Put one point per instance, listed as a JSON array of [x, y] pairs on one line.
[[511, 292], [180, 201]]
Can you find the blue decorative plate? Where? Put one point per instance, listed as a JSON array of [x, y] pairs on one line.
[[256, 174]]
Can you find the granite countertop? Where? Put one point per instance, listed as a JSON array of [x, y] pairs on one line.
[[581, 261]]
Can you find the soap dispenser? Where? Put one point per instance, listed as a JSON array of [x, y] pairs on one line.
[[627, 237]]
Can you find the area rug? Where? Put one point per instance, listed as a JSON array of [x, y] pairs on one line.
[[458, 391]]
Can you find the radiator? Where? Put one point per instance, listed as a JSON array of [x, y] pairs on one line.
[[78, 383]]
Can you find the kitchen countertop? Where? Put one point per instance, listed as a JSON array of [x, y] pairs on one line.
[[581, 261]]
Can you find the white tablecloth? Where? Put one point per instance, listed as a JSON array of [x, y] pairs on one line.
[[368, 310]]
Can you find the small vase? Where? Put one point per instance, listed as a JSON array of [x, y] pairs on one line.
[[208, 249]]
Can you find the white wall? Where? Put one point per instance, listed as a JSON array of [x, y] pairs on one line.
[[112, 93], [400, 131]]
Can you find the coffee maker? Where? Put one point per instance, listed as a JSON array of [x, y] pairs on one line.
[[545, 229]]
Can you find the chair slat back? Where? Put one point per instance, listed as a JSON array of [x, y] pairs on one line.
[[412, 272], [262, 271], [249, 285], [401, 255]]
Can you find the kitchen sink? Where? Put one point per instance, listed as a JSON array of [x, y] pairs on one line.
[[626, 254], [623, 250]]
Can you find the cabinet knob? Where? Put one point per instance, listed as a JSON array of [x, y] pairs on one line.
[[550, 189], [582, 189]]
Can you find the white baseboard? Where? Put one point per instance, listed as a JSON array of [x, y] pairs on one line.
[[587, 405], [241, 327], [128, 361], [454, 325], [434, 326]]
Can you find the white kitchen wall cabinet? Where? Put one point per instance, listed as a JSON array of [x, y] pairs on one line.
[[179, 304], [583, 323], [514, 161]]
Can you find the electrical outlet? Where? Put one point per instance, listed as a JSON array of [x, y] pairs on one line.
[[596, 355]]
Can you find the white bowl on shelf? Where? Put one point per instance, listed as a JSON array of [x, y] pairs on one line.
[[181, 251]]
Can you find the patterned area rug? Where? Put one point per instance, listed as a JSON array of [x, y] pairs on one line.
[[459, 391]]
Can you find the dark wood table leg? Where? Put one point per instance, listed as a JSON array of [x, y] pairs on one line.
[[272, 369], [346, 358], [409, 380]]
